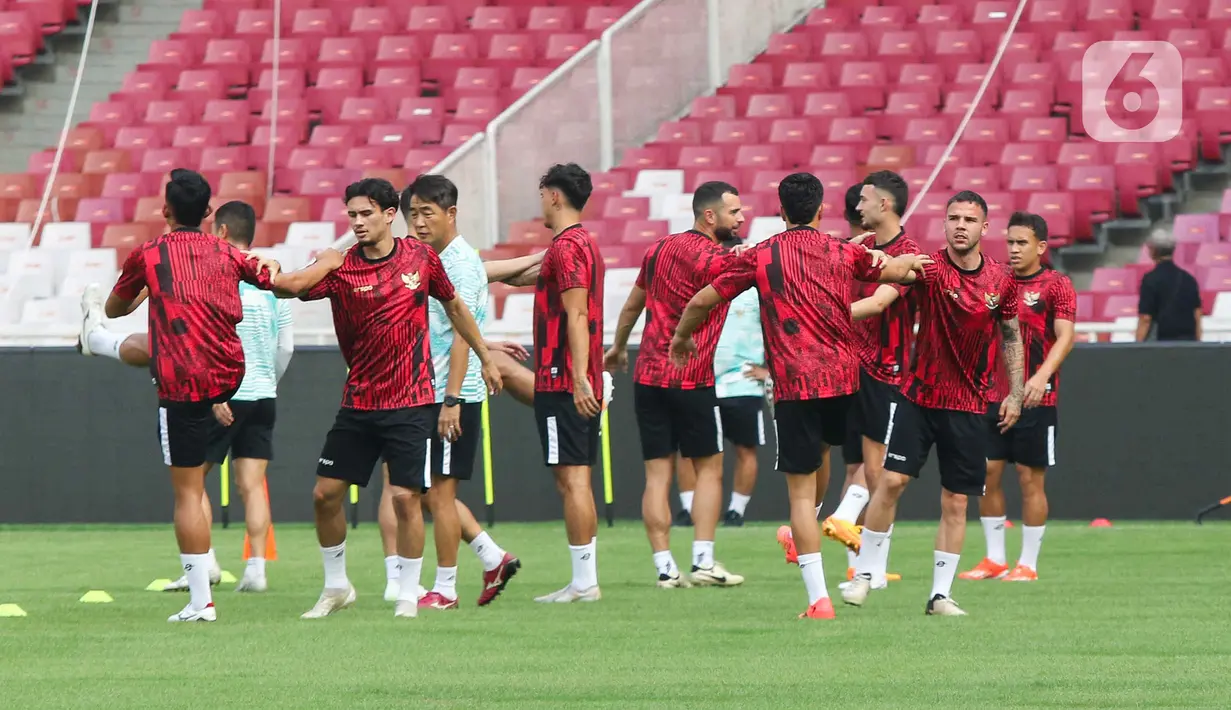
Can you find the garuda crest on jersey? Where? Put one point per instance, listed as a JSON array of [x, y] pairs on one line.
[[411, 280], [1030, 298], [991, 300]]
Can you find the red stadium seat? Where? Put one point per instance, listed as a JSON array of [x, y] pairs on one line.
[[1196, 228], [1112, 280]]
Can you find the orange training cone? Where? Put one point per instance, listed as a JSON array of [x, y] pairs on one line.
[[1100, 523], [271, 545]]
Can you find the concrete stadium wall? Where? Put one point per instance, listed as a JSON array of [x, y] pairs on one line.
[[1139, 428]]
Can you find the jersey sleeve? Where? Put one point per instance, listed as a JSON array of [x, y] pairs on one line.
[[739, 275], [283, 312], [469, 279], [322, 289], [717, 263], [439, 285], [574, 264], [1064, 300], [645, 262], [132, 276], [1008, 296]]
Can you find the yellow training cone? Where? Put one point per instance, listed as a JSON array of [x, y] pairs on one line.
[[7, 610], [96, 596], [158, 585]]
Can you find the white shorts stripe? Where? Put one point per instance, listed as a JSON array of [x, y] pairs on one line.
[[427, 465], [893, 409], [164, 436], [760, 428], [718, 423], [1051, 445], [446, 457], [777, 445], [553, 442]]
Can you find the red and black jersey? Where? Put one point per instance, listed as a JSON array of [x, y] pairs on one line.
[[193, 281], [572, 261], [1043, 298], [674, 269], [803, 278], [380, 314], [885, 340], [959, 324]]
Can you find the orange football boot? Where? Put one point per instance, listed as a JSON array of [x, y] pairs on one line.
[[841, 531], [787, 540], [822, 609], [889, 576], [1022, 573], [985, 570]]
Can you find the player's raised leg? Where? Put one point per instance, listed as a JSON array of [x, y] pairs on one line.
[[498, 566]]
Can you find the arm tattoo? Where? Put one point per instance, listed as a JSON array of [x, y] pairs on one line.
[[1014, 356]]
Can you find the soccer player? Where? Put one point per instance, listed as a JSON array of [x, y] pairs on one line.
[[198, 360], [429, 206], [677, 409], [852, 447], [244, 426], [1047, 309], [803, 278], [568, 359], [964, 299], [885, 322], [379, 296]]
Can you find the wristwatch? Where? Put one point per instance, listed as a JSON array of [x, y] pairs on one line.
[[451, 401]]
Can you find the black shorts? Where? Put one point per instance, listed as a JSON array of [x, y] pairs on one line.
[[568, 438], [960, 439], [671, 420], [803, 428], [360, 438], [1031, 442], [185, 429], [872, 402], [456, 459], [743, 420], [250, 436]]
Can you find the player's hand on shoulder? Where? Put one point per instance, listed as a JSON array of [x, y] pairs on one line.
[[740, 249], [615, 360], [266, 264], [859, 240], [879, 258], [920, 264]]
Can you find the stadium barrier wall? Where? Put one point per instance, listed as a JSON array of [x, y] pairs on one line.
[[1138, 427]]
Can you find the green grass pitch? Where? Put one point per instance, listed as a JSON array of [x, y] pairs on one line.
[[1129, 617]]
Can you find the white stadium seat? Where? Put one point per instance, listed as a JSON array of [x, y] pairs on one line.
[[14, 236], [763, 228], [671, 206], [65, 235], [50, 311], [11, 301], [518, 314], [652, 183], [33, 271], [311, 235]]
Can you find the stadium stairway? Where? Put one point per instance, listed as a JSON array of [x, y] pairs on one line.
[[31, 120]]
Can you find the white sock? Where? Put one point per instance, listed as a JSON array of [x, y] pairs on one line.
[[882, 559], [408, 589], [739, 502], [686, 500], [850, 558], [993, 532], [391, 567], [585, 569], [196, 569], [814, 576], [852, 504], [1032, 540], [490, 554], [104, 342], [446, 582], [943, 571], [818, 510], [703, 554], [213, 559], [665, 563], [257, 566], [335, 566], [871, 544]]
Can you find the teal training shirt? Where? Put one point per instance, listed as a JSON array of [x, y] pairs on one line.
[[740, 344], [264, 316], [465, 269]]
